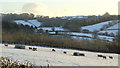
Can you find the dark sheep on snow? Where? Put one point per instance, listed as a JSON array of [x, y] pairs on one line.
[[30, 48], [78, 54], [34, 49], [19, 46], [110, 57], [65, 52], [104, 57], [6, 45], [100, 55], [53, 50]]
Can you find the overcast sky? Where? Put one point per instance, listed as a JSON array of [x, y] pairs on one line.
[[60, 7]]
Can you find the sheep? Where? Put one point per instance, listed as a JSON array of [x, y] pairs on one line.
[[19, 46], [100, 55], [53, 50], [30, 48], [6, 45], [82, 54], [34, 49], [65, 52], [104, 57], [76, 53], [110, 57]]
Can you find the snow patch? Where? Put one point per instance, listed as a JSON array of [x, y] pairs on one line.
[[96, 26], [33, 23]]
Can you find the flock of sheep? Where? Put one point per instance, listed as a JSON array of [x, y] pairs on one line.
[[8, 63], [65, 52]]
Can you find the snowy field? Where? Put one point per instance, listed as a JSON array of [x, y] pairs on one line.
[[115, 32], [88, 36], [102, 37], [29, 22], [45, 56], [96, 26], [113, 29], [116, 26]]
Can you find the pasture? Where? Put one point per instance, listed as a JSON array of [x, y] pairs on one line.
[[44, 56]]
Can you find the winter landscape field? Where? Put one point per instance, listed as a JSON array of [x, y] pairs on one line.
[[59, 33], [45, 56]]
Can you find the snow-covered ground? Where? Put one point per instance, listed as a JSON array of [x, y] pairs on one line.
[[29, 22], [87, 36], [107, 38], [81, 38], [55, 28], [45, 56], [114, 27], [90, 35], [84, 34], [96, 26], [115, 32]]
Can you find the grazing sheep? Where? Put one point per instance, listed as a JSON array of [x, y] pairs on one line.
[[65, 52], [76, 53], [100, 55], [30, 48], [19, 46], [110, 57], [6, 45], [34, 49], [104, 57], [53, 50], [82, 54]]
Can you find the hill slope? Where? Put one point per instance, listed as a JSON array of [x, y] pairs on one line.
[[33, 23], [96, 26], [113, 29]]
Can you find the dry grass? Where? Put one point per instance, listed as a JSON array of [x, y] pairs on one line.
[[8, 62], [46, 40]]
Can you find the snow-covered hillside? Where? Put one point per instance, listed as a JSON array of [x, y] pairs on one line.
[[87, 36], [91, 35], [45, 56], [115, 32], [96, 26], [113, 29], [29, 22]]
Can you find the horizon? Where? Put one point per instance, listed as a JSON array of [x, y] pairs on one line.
[[59, 16], [61, 8]]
